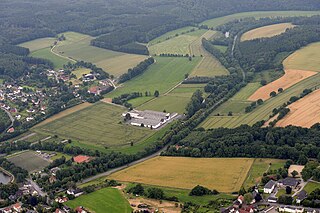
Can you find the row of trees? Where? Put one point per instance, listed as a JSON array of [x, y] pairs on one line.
[[137, 70]]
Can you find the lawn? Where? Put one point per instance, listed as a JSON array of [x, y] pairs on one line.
[[38, 44], [170, 35], [162, 76], [222, 174], [307, 58], [46, 53], [99, 125], [266, 31], [107, 200], [311, 186], [80, 72], [260, 166], [262, 112], [257, 14], [29, 161]]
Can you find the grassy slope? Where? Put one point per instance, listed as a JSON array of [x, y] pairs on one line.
[[107, 200], [162, 76], [97, 125], [45, 53], [38, 44], [306, 58], [257, 14], [170, 34]]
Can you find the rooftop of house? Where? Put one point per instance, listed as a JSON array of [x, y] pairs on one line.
[[270, 184], [289, 181], [81, 159], [302, 195]]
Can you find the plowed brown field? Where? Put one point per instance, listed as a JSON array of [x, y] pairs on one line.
[[290, 78]]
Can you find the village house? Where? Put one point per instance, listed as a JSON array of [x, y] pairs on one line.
[[81, 159], [269, 187], [301, 196], [291, 209], [289, 181], [75, 192]]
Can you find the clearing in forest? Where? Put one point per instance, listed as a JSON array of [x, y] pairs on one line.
[[266, 31], [38, 44], [29, 161], [304, 112], [291, 77], [98, 126], [222, 174]]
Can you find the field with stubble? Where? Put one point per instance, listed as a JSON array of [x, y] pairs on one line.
[[222, 174]]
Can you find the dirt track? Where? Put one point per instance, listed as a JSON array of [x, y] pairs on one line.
[[290, 78]]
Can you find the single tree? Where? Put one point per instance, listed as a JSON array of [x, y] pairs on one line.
[[156, 93], [273, 94], [294, 173]]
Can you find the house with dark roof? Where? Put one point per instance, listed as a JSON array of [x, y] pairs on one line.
[[289, 181], [301, 196], [269, 187], [272, 199]]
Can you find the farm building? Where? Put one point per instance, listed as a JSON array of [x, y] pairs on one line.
[[81, 159], [148, 118], [269, 187], [301, 196], [289, 181]]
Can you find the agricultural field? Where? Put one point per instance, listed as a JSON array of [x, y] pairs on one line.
[[64, 113], [29, 161], [307, 58], [38, 44], [257, 14], [107, 200], [266, 31], [165, 74], [46, 53], [303, 112], [99, 126], [174, 101], [222, 174], [290, 78], [262, 112], [260, 166], [238, 102]]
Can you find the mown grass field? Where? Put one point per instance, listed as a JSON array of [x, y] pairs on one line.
[[260, 166], [170, 35], [266, 31], [80, 72], [307, 58], [162, 76], [38, 44], [29, 161], [175, 101], [46, 53], [99, 125], [262, 112], [107, 200], [311, 186], [238, 102], [222, 174], [257, 14]]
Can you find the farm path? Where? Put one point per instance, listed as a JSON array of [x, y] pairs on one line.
[[27, 136], [61, 56]]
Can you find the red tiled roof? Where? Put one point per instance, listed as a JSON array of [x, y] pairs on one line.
[[81, 159]]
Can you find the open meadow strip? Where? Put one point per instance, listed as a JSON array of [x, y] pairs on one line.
[[98, 125], [304, 112], [106, 200], [266, 31], [46, 53], [291, 77], [38, 44], [222, 174]]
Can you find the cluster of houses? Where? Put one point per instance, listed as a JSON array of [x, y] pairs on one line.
[[103, 87], [239, 206], [13, 97]]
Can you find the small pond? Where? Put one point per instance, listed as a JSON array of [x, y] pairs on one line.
[[4, 179]]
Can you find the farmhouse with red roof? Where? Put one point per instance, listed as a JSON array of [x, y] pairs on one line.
[[81, 159]]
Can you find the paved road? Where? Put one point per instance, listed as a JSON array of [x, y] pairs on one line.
[[37, 188]]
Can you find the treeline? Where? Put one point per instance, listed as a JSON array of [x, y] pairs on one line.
[[290, 142], [262, 54], [124, 98], [4, 121], [138, 70]]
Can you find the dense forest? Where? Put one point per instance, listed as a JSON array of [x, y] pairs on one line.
[[122, 23], [295, 143], [4, 121]]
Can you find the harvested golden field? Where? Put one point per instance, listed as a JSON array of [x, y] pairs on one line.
[[307, 58], [304, 112], [266, 31], [222, 174], [65, 113], [290, 78]]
